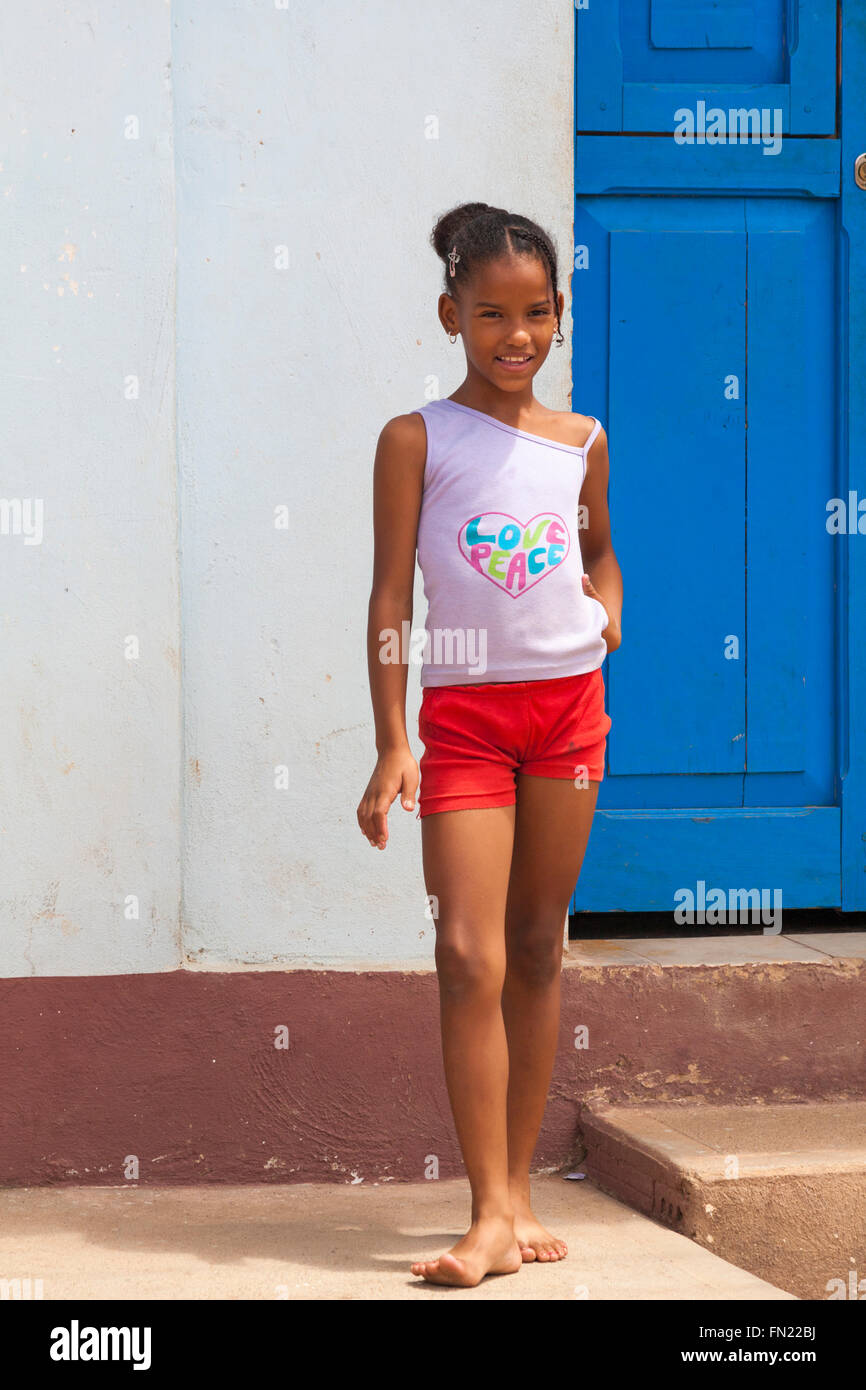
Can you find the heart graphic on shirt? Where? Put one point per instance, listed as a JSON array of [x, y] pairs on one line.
[[514, 555]]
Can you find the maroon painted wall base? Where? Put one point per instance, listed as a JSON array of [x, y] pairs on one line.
[[176, 1078]]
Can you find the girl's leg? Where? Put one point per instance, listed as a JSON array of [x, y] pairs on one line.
[[467, 857], [553, 821]]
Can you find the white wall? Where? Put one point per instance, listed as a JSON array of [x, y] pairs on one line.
[[303, 127], [89, 739]]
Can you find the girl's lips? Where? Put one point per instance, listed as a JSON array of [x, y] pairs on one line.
[[515, 366]]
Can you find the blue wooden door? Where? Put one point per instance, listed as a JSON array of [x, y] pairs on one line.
[[720, 238]]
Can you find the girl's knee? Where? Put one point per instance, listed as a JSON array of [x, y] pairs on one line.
[[465, 967], [535, 947]]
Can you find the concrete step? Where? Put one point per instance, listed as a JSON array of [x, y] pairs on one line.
[[779, 1190]]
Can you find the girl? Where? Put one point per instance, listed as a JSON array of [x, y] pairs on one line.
[[487, 485]]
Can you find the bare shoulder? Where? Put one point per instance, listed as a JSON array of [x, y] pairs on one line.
[[570, 427], [404, 437], [579, 427]]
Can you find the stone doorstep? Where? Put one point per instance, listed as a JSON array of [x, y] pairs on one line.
[[723, 948], [779, 1190]]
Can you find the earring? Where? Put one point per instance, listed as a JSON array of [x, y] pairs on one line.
[[452, 337]]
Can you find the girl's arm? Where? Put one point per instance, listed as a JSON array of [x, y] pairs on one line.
[[604, 580], [398, 479]]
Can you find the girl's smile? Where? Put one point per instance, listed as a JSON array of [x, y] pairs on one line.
[[515, 363]]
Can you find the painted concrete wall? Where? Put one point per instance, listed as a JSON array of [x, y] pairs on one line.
[[314, 145], [90, 806]]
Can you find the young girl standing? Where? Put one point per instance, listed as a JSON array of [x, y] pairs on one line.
[[487, 485]]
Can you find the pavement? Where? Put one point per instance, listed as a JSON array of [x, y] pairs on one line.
[[313, 1241]]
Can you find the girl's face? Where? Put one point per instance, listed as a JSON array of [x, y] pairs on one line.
[[506, 317]]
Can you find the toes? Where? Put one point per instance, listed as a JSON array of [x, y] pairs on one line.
[[546, 1249]]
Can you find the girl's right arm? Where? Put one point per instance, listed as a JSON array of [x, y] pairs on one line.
[[398, 481]]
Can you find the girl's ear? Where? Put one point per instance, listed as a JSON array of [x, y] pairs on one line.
[[447, 313], [560, 299]]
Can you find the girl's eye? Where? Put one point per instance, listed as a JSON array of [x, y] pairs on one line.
[[488, 313]]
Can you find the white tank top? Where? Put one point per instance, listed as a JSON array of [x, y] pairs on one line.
[[499, 549]]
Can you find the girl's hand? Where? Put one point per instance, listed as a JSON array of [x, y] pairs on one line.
[[611, 634], [395, 774]]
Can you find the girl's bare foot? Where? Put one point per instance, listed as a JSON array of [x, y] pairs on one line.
[[536, 1243], [489, 1247]]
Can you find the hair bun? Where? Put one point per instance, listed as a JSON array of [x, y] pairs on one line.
[[450, 223]]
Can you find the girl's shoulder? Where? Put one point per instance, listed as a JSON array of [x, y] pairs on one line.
[[576, 428], [404, 436], [408, 426]]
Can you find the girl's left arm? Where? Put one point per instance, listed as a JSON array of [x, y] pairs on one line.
[[603, 577]]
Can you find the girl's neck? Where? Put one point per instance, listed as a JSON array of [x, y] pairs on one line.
[[508, 407]]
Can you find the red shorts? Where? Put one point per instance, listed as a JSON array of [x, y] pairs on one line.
[[478, 737]]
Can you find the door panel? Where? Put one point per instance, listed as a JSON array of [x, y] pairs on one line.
[[806, 168], [705, 24], [792, 387], [720, 330], [664, 851], [675, 335], [640, 61]]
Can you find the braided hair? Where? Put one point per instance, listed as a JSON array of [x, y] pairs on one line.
[[483, 233]]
